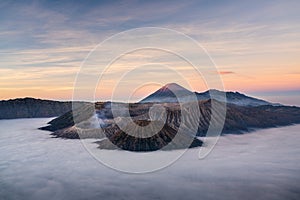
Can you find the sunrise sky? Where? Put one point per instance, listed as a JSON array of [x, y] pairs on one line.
[[254, 44]]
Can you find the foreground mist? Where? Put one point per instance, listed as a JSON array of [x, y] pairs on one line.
[[259, 165]]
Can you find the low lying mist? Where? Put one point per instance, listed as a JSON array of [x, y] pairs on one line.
[[259, 165]]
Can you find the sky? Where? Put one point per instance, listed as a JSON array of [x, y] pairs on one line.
[[254, 45]]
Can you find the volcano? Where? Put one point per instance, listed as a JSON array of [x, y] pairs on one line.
[[174, 93], [243, 113], [169, 94]]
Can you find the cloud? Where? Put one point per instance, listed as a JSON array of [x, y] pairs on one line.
[[225, 72], [36, 166], [249, 36]]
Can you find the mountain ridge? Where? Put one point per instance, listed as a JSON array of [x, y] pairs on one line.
[[98, 121], [238, 118], [172, 92], [29, 107]]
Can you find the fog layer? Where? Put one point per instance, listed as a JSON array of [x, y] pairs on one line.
[[260, 165]]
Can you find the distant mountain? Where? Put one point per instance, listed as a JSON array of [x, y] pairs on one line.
[[232, 98], [32, 108], [167, 94]]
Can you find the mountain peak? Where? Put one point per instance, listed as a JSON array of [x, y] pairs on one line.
[[168, 93], [171, 91], [173, 87]]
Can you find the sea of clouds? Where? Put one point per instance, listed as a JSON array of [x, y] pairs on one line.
[[262, 165]]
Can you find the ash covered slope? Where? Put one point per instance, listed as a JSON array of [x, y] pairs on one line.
[[233, 98], [163, 139], [166, 95], [32, 108], [238, 118], [243, 113]]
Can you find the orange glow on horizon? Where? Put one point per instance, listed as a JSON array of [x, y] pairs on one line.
[[231, 82]]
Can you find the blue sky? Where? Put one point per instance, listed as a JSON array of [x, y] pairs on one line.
[[42, 43]]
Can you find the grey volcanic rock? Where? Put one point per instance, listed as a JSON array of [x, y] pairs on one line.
[[163, 139], [78, 133], [242, 114], [83, 112], [238, 118], [32, 108]]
